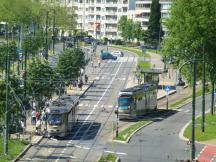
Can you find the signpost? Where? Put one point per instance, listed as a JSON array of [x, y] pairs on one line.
[[167, 89]]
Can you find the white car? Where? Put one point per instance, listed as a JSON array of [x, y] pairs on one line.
[[117, 53]]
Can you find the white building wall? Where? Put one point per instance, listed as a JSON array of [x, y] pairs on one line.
[[108, 12]]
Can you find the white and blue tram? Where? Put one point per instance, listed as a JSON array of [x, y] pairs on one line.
[[137, 101], [62, 116]]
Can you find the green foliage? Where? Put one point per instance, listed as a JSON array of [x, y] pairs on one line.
[[192, 31], [70, 63], [15, 148], [40, 82], [109, 157], [154, 24], [3, 53], [126, 133]]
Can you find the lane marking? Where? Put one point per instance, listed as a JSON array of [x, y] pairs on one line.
[[94, 106], [186, 111]]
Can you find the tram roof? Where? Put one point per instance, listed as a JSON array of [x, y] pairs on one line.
[[63, 104], [145, 86]]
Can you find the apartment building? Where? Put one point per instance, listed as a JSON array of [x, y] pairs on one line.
[[100, 17]]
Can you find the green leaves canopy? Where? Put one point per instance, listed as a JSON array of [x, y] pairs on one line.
[[70, 63], [192, 30], [40, 79]]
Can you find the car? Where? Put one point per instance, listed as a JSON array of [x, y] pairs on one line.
[[117, 53], [105, 55]]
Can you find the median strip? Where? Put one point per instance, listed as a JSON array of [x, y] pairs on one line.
[[126, 134]]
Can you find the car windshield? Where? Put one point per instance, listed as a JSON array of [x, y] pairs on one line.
[[125, 101], [55, 119]]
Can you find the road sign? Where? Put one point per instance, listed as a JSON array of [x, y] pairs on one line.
[[189, 142], [167, 88], [215, 92]]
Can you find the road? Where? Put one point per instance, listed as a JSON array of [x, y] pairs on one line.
[[93, 131], [160, 142]]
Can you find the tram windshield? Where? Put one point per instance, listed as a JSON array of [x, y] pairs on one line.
[[125, 101], [55, 119]]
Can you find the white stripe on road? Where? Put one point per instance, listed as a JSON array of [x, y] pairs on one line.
[[93, 108]]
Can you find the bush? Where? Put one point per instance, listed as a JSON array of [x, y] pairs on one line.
[[119, 42]]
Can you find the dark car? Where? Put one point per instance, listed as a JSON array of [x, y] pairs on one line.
[[106, 56]]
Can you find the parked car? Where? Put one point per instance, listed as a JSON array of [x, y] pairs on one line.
[[117, 53], [105, 55]]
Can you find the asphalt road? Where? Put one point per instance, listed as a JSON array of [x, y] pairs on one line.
[[93, 132], [160, 142]]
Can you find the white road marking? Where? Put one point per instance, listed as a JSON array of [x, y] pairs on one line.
[[110, 106], [186, 111], [94, 106], [80, 105], [109, 152], [86, 104]]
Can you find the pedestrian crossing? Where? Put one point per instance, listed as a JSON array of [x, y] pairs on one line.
[[124, 59]]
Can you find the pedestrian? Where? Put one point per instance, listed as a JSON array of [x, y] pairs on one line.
[[80, 84], [38, 127], [99, 63], [33, 117], [38, 115], [86, 79]]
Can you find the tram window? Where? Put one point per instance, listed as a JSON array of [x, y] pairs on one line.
[[55, 119], [125, 101]]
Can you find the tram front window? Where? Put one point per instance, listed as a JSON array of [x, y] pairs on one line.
[[55, 119], [124, 102]]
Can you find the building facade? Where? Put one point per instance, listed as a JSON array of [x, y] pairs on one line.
[[100, 17]]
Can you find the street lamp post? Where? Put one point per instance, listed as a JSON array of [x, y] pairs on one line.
[[117, 123]]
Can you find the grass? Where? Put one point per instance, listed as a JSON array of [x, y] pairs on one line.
[[144, 64], [124, 134], [137, 51], [108, 158], [187, 98], [210, 131], [15, 147]]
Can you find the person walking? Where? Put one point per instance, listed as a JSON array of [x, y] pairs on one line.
[[33, 117], [86, 79]]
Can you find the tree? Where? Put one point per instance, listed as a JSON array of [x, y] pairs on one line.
[[70, 63], [41, 80], [122, 23], [154, 27], [191, 32], [137, 30]]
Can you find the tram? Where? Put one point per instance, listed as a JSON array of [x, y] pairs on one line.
[[137, 101], [62, 116]]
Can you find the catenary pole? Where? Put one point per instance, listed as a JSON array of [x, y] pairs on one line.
[[193, 110], [203, 91], [7, 96]]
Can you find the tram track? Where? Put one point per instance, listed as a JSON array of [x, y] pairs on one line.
[[56, 147]]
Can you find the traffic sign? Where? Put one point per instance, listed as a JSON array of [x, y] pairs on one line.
[[167, 88], [215, 92]]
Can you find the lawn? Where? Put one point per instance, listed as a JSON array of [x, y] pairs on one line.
[[124, 134], [15, 148], [108, 158], [144, 64], [210, 131]]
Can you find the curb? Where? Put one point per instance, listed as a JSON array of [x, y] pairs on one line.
[[164, 96], [26, 149], [128, 139]]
